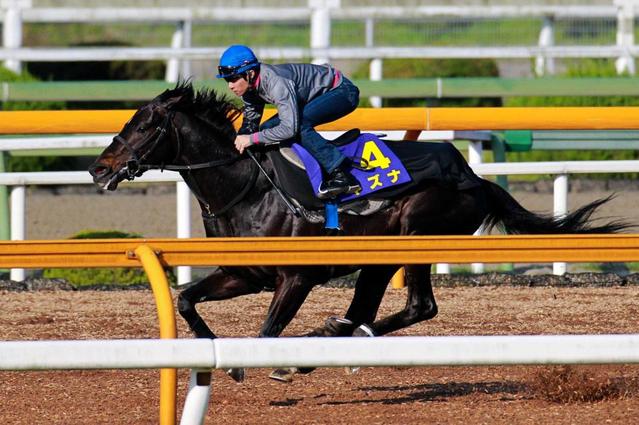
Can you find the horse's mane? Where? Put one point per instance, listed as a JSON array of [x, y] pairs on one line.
[[216, 110]]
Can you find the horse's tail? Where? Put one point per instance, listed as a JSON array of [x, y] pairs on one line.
[[507, 213]]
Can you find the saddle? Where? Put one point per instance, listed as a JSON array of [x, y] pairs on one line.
[[395, 169]]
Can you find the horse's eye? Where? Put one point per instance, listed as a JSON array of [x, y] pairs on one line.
[[141, 129]]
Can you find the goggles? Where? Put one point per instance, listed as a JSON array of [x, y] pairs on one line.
[[233, 72], [228, 71], [233, 78]]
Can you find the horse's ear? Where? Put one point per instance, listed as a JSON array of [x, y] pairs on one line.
[[174, 101]]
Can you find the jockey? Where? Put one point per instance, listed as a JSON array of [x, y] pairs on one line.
[[305, 95]]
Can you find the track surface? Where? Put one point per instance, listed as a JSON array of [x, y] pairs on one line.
[[442, 395]]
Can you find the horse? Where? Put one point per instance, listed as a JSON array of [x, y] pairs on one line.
[[193, 132]]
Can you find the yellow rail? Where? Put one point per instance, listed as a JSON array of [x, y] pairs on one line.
[[168, 328], [404, 119], [317, 250]]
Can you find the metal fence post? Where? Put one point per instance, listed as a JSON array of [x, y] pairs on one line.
[[475, 151], [560, 209], [321, 26], [375, 68], [625, 35], [183, 198], [5, 232], [197, 398], [175, 68], [544, 64], [185, 69], [18, 226], [12, 30]]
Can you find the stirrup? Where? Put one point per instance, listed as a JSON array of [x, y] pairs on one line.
[[332, 193]]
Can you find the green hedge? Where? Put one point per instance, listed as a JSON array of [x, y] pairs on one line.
[[581, 68], [104, 276], [10, 76]]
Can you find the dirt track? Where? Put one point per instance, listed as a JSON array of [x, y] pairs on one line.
[[442, 395]]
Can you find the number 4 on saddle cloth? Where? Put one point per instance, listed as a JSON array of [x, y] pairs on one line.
[[379, 169]]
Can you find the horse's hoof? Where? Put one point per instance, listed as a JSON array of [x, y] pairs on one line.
[[236, 373], [283, 375], [362, 331], [351, 370]]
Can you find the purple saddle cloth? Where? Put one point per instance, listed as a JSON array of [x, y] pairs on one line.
[[385, 168]]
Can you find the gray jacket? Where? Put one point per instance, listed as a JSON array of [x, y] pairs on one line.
[[289, 87]]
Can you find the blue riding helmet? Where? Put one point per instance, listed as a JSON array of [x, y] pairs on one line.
[[236, 60]]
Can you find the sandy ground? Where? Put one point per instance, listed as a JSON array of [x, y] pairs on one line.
[[441, 395]]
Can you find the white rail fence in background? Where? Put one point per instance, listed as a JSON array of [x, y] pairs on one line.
[[19, 181], [320, 14], [202, 355]]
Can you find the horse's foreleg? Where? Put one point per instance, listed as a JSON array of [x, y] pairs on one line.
[[216, 286], [289, 296], [420, 304]]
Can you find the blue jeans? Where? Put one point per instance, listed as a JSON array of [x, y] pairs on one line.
[[332, 105]]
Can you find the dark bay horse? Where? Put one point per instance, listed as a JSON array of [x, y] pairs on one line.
[[193, 133]]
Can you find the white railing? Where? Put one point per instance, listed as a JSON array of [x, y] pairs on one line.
[[320, 14], [302, 14], [53, 54], [202, 355]]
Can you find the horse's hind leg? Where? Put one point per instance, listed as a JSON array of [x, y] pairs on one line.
[[369, 291], [420, 304], [290, 292], [217, 286]]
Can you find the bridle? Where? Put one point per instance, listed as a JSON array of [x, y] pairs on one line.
[[135, 166]]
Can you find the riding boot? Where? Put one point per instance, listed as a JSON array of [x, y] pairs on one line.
[[339, 182]]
